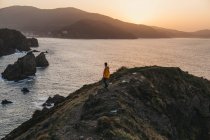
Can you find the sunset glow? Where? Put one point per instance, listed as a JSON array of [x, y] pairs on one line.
[[186, 15]]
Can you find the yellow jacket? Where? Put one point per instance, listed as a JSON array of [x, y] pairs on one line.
[[106, 73]]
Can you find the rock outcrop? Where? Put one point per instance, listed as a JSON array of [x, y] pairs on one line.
[[25, 90], [41, 60], [54, 100], [32, 42], [12, 40], [24, 67], [141, 104], [5, 102]]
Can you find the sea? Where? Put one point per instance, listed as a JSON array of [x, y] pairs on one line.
[[74, 63]]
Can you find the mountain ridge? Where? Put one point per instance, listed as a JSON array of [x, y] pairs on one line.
[[45, 22]]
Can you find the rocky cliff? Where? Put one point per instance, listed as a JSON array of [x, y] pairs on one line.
[[12, 40], [149, 103]]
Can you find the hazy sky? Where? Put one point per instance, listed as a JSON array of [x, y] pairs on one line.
[[187, 15]]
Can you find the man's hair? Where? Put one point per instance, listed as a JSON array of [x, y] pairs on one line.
[[105, 64]]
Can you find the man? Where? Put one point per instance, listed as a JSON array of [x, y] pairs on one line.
[[106, 75]]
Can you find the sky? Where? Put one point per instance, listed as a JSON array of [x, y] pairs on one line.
[[185, 15]]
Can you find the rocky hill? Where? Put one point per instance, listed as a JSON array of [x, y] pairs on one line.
[[148, 103], [51, 22], [93, 29], [12, 40]]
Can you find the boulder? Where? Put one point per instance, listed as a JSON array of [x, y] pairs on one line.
[[35, 51], [12, 40], [54, 100], [32, 42], [25, 90], [4, 102], [24, 67], [41, 60]]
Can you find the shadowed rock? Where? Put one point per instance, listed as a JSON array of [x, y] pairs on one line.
[[25, 90], [32, 42], [35, 51], [12, 40], [4, 102], [24, 67], [41, 60], [54, 100]]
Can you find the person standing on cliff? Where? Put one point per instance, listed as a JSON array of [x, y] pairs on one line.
[[106, 75]]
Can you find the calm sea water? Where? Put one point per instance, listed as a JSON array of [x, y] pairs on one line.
[[74, 63]]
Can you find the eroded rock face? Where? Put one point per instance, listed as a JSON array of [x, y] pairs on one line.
[[32, 42], [41, 60], [24, 67], [12, 40]]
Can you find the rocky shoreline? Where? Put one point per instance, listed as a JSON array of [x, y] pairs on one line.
[[161, 103], [12, 40]]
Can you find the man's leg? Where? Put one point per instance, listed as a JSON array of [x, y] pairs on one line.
[[105, 83]]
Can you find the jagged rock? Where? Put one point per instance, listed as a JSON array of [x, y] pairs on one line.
[[24, 67], [12, 40], [35, 51], [25, 90], [54, 100], [41, 60], [4, 102], [33, 42]]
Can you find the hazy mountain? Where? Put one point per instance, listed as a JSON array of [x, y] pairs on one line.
[[93, 29], [202, 33], [173, 33], [52, 22]]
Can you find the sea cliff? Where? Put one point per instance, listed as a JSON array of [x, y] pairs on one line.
[[147, 103]]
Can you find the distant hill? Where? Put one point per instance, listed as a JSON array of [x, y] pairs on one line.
[[52, 22], [202, 33], [93, 29]]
